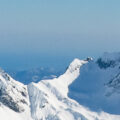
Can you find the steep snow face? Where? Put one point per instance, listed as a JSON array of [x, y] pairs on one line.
[[98, 86], [14, 100], [61, 83], [49, 99], [48, 104]]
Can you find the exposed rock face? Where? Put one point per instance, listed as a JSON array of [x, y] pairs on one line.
[[9, 102], [12, 94]]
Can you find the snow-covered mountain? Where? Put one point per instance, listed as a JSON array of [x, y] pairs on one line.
[[98, 86], [61, 98], [14, 99]]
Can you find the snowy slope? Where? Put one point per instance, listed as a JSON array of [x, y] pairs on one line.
[[98, 86], [14, 99], [48, 99]]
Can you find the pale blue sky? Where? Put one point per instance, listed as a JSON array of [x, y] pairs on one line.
[[32, 31]]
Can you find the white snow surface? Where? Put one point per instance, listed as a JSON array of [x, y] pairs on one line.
[[48, 99]]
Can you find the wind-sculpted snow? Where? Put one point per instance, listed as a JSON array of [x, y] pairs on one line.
[[48, 99]]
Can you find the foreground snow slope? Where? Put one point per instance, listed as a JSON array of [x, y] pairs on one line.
[[14, 99], [46, 100]]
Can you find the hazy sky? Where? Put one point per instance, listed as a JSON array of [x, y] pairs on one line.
[[33, 32]]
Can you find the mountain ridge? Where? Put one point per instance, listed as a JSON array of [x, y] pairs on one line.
[[48, 99]]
